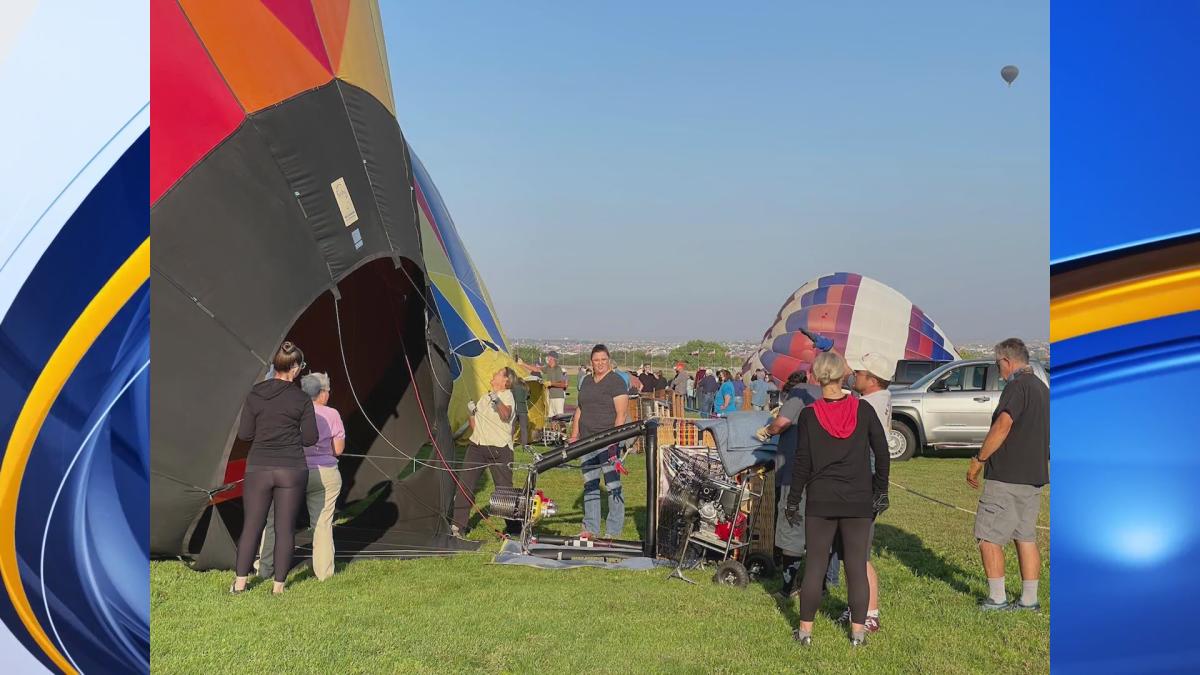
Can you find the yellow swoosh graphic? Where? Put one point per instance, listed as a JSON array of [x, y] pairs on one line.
[[1125, 303], [117, 291]]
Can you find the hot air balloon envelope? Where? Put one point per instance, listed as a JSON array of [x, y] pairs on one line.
[[860, 315]]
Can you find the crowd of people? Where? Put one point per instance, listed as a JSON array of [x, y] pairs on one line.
[[835, 444], [832, 466]]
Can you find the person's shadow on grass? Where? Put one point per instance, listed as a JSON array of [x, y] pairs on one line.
[[789, 607], [923, 562]]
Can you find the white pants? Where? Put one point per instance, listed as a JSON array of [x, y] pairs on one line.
[[556, 406]]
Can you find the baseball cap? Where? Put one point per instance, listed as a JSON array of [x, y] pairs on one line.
[[876, 364], [552, 354]]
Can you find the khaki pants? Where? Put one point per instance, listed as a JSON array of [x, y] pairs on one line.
[[557, 405], [324, 486]]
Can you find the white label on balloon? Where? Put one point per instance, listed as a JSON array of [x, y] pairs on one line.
[[342, 195]]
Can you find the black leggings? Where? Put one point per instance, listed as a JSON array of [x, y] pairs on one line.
[[856, 543], [284, 487], [478, 456]]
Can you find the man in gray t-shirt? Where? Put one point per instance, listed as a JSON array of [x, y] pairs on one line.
[[679, 382], [789, 538], [556, 384]]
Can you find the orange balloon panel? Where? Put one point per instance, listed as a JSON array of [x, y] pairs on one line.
[[332, 16], [261, 59]]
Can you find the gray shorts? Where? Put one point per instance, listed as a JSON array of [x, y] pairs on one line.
[[1007, 512]]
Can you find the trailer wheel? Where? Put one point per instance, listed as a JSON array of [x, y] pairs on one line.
[[759, 566], [731, 573]]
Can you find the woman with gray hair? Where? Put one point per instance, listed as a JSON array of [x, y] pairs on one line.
[[324, 482]]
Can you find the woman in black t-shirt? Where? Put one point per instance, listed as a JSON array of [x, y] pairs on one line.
[[833, 438]]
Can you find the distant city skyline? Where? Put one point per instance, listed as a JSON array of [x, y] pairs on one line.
[[678, 169]]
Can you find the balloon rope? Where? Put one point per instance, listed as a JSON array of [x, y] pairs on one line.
[[354, 393], [947, 504], [412, 378], [420, 404]]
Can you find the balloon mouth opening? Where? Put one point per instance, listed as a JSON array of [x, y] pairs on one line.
[[381, 317]]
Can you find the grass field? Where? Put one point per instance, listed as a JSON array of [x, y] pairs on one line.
[[463, 614]]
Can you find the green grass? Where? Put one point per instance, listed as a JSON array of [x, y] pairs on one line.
[[462, 614]]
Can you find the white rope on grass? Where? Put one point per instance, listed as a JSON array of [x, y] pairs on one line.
[[953, 506]]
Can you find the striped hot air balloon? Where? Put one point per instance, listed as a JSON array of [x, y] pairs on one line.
[[859, 315]]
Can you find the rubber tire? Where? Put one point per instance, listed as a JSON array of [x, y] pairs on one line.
[[731, 573], [910, 441], [759, 566]]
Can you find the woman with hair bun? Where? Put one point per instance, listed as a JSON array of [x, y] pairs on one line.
[[278, 419]]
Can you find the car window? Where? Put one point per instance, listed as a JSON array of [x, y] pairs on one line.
[[967, 378], [915, 371], [977, 380], [954, 379]]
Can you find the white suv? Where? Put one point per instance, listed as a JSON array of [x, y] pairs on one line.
[[950, 408]]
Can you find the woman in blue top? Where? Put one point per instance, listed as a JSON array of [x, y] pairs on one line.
[[724, 403]]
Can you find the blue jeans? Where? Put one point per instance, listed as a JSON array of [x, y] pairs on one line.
[[595, 464], [831, 574], [706, 404]]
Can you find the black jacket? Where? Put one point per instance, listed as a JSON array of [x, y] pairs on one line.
[[279, 418], [837, 471]]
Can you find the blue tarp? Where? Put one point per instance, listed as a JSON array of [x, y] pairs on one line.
[[736, 444]]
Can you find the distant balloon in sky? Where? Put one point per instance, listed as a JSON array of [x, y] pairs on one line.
[[1009, 73]]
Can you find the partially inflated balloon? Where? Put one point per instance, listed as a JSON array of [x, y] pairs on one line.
[[859, 315], [1009, 73]]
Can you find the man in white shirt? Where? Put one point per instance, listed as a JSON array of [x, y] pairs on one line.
[[872, 375]]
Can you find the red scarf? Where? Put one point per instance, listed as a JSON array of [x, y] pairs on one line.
[[838, 418]]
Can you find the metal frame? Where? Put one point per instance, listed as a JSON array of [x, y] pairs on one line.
[[559, 547], [746, 499]]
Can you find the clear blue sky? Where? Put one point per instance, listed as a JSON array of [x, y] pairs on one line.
[[593, 155]]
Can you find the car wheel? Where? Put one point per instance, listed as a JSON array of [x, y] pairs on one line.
[[902, 442]]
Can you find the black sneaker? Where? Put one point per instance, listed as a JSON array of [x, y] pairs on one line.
[[783, 595], [858, 639], [805, 639], [1018, 607], [988, 605]]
